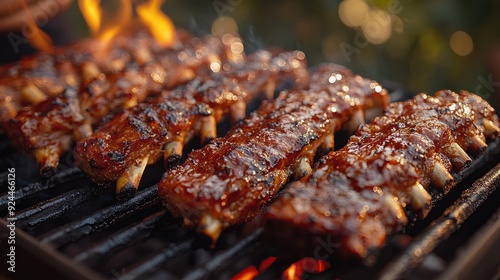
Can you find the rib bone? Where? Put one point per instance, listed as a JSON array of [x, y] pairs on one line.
[[208, 130], [441, 178], [238, 111], [357, 119], [490, 129], [33, 94], [270, 88], [394, 207], [457, 156], [477, 145], [90, 71], [303, 168], [210, 226], [328, 143], [420, 199], [128, 182], [173, 153]]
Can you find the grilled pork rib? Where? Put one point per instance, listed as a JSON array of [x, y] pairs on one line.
[[48, 129], [232, 178], [120, 150], [355, 196], [36, 78]]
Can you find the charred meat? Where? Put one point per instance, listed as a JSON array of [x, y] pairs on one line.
[[232, 178], [35, 129], [355, 197], [119, 151]]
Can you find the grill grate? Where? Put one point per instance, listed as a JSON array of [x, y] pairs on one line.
[[79, 231]]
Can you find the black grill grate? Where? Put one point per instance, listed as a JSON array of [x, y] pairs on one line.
[[74, 229]]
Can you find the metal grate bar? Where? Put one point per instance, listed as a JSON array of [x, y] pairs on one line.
[[225, 258], [451, 221], [33, 188], [151, 264], [102, 219], [54, 208], [123, 239]]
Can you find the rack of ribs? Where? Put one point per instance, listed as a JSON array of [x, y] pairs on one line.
[[48, 129], [231, 179], [355, 197], [119, 151], [36, 78]]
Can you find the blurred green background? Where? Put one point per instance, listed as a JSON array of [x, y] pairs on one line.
[[424, 45]]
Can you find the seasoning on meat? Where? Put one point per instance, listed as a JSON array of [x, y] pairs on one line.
[[145, 133], [37, 132], [232, 178], [355, 196]]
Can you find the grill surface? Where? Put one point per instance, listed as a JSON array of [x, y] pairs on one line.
[[67, 227]]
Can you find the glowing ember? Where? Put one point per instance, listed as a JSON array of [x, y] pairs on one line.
[[92, 13], [295, 271], [266, 263], [37, 37], [160, 25], [251, 272], [305, 265], [291, 272], [248, 273]]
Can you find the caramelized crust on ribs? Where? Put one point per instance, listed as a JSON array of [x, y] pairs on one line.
[[232, 178], [32, 129], [355, 196], [36, 78], [120, 150]]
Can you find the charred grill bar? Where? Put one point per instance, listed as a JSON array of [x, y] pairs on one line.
[[67, 227], [137, 238]]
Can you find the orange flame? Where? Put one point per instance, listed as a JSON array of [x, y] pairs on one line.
[[124, 17], [160, 25], [92, 13], [38, 38]]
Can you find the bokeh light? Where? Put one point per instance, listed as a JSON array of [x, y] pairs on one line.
[[461, 43], [223, 25], [377, 27], [353, 12]]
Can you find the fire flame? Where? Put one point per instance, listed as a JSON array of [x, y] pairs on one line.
[[124, 17], [92, 13], [38, 38], [159, 24], [294, 271], [149, 12]]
